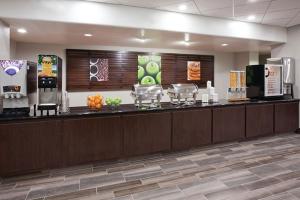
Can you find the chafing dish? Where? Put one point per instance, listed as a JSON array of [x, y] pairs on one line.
[[183, 93], [147, 95]]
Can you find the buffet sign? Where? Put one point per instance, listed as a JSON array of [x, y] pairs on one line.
[[273, 80]]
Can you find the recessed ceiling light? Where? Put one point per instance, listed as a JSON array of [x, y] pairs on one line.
[[22, 30], [88, 35], [251, 17], [224, 45], [182, 7]]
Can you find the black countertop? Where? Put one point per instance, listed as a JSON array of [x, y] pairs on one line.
[[131, 108]]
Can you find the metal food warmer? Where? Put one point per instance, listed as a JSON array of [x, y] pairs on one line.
[[147, 95], [185, 94]]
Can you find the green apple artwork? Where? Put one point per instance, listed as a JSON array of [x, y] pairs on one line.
[[149, 69]]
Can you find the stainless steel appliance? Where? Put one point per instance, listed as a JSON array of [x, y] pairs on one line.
[[183, 94], [147, 95], [288, 64], [17, 83], [49, 83], [264, 81]]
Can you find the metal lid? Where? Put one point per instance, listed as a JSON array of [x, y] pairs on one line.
[[147, 89], [183, 88]]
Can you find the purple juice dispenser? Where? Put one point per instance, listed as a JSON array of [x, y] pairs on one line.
[[17, 84]]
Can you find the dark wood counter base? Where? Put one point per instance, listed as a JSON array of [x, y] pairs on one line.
[[39, 144]]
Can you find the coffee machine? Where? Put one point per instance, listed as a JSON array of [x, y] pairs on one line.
[[17, 86], [49, 83], [288, 64]]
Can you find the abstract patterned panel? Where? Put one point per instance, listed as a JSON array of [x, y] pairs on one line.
[[98, 69]]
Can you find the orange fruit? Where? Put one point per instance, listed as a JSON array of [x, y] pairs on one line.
[[95, 101]]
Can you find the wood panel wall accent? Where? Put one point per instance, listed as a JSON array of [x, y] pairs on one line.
[[123, 69]]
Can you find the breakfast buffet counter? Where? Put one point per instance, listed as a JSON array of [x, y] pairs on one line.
[[131, 108], [29, 144]]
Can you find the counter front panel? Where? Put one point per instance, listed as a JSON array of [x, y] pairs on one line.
[[29, 144]]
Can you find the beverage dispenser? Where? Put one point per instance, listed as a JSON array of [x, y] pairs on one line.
[[17, 84], [49, 83], [288, 64]]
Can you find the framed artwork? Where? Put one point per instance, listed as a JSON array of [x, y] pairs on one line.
[[149, 69], [99, 69], [47, 66], [193, 71]]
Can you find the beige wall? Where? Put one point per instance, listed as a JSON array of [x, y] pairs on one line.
[[243, 59], [4, 41], [224, 62], [291, 49]]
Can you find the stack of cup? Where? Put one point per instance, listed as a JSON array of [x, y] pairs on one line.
[[210, 96]]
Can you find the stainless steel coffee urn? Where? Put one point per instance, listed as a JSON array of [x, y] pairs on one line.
[[49, 83], [288, 74], [17, 84]]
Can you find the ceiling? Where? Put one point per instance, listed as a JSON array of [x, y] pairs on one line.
[[71, 33], [285, 13]]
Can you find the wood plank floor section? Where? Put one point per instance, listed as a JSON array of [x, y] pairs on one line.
[[262, 169]]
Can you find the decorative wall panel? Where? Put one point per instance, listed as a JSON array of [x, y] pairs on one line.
[[123, 69]]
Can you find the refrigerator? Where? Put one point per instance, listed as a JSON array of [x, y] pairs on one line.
[[264, 81]]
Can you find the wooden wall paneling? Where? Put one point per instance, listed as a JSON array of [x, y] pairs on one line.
[[123, 69], [168, 70], [78, 70], [207, 69]]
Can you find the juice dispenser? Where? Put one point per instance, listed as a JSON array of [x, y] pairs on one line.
[[17, 84], [49, 83]]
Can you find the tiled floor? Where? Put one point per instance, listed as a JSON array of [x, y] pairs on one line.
[[267, 169]]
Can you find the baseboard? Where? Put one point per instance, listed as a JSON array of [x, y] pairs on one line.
[[297, 130]]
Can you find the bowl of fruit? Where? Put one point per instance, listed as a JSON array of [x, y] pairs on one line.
[[113, 103], [95, 102]]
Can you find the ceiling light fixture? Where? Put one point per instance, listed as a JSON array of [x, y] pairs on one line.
[[186, 37], [142, 39], [251, 17], [186, 43], [22, 30], [142, 33], [182, 7], [224, 45], [88, 35]]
